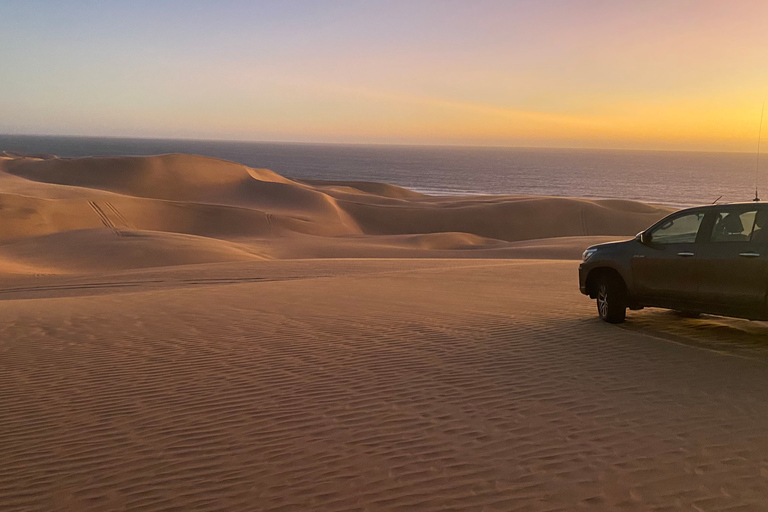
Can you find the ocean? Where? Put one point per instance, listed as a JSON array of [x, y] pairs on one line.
[[664, 177]]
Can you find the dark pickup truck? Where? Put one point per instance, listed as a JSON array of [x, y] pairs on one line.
[[710, 259]]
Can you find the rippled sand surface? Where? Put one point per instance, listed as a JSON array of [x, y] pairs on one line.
[[342, 385]]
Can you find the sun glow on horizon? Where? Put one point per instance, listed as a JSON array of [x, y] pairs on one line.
[[677, 74]]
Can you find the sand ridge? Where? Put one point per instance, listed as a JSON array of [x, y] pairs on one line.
[[46, 204]]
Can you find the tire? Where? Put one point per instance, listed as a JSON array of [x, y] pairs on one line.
[[611, 299]]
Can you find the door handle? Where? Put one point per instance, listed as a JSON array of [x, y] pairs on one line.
[[686, 254], [749, 254]]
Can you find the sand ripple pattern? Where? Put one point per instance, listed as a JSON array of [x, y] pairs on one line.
[[454, 387]]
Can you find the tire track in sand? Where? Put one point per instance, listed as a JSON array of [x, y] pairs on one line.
[[119, 215], [104, 218]]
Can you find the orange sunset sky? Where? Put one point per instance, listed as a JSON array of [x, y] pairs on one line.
[[676, 74]]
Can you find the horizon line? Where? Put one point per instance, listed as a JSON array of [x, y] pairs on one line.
[[364, 144]]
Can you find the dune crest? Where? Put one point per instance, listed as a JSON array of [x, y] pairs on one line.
[[176, 177], [191, 209]]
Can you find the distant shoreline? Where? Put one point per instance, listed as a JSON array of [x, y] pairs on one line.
[[369, 144], [663, 177]]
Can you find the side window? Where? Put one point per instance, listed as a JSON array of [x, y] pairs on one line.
[[760, 231], [678, 230], [734, 226]]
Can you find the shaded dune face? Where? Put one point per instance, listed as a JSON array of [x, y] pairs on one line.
[[528, 219], [219, 203]]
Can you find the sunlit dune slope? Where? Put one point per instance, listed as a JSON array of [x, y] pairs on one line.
[[218, 203], [369, 187], [180, 177]]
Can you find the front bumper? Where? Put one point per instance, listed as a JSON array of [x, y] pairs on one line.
[[583, 272]]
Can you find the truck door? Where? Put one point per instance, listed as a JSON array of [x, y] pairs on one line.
[[664, 268], [734, 260]]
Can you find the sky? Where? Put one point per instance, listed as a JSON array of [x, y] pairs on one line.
[[650, 74]]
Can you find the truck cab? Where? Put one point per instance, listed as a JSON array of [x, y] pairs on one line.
[[711, 259]]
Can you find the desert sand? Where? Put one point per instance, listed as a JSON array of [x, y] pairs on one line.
[[60, 216], [181, 333]]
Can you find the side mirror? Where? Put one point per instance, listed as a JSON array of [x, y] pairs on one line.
[[644, 237]]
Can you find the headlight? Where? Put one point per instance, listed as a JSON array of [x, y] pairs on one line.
[[588, 253]]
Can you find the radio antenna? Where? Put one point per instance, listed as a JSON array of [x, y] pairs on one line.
[[757, 164]]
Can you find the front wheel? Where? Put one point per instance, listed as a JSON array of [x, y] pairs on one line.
[[611, 300]]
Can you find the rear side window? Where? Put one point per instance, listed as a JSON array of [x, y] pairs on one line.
[[760, 231], [734, 226], [678, 230]]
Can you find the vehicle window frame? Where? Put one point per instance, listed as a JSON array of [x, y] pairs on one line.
[[671, 218], [715, 213], [761, 209]]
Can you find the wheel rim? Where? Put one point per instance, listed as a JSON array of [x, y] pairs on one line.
[[602, 300]]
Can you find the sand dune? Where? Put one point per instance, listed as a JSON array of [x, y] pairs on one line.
[[505, 219], [431, 245], [263, 213], [99, 250], [369, 187], [181, 177]]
